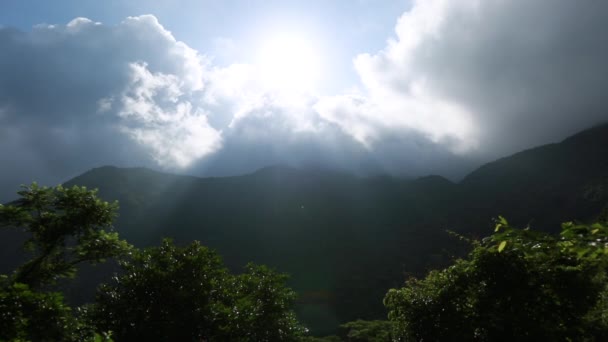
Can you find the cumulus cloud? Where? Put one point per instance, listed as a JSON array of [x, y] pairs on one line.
[[483, 78], [460, 82], [85, 94], [154, 114]]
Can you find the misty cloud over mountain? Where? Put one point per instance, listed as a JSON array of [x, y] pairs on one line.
[[461, 82]]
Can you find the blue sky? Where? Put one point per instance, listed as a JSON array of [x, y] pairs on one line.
[[217, 88]]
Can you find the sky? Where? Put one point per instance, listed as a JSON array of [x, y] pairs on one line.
[[215, 88]]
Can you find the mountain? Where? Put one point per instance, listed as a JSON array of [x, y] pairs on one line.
[[340, 237], [344, 239], [543, 186]]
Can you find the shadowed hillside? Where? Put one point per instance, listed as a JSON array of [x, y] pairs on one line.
[[340, 237], [542, 186]]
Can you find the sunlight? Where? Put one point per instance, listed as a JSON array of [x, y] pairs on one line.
[[289, 62]]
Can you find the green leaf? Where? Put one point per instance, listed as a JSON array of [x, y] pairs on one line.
[[503, 220], [500, 222], [502, 246], [53, 218]]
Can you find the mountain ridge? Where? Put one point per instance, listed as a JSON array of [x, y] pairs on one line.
[[598, 134]]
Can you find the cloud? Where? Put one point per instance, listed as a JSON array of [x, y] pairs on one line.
[[460, 82], [154, 114], [483, 78], [85, 94]]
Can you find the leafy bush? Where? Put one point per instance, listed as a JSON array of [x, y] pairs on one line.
[[516, 285]]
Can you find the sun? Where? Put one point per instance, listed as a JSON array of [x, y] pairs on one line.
[[289, 61]]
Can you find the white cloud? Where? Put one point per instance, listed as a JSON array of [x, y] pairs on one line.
[[78, 24], [368, 117], [483, 78], [156, 115], [396, 96]]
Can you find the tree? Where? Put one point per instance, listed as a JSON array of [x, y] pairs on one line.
[[518, 285], [172, 293], [259, 307], [163, 293], [66, 226]]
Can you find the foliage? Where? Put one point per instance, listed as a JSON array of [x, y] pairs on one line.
[[163, 293], [518, 284], [66, 226], [28, 315], [368, 331], [172, 293], [259, 307]]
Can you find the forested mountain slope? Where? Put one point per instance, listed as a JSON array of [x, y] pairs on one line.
[[542, 186]]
